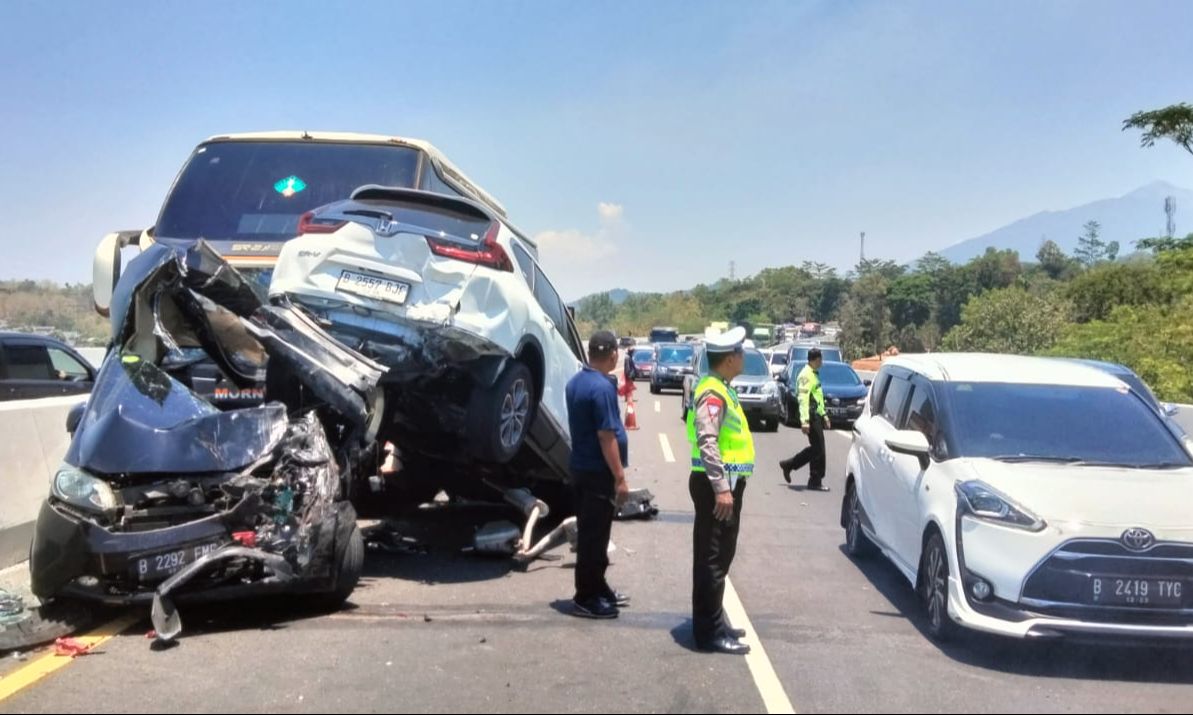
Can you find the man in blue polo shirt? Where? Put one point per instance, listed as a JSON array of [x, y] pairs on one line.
[[600, 454]]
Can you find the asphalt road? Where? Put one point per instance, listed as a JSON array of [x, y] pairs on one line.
[[445, 632]]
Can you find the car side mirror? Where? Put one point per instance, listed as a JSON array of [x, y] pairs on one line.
[[105, 268], [74, 417], [867, 383], [912, 443], [1171, 410]]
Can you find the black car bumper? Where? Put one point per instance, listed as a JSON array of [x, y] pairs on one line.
[[760, 409], [75, 558], [667, 379]]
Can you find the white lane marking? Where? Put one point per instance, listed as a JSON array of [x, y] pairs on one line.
[[765, 679], [658, 406], [666, 445]]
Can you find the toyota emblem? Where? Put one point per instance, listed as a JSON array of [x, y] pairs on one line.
[[1138, 539]]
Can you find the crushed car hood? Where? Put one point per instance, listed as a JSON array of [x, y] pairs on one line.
[[140, 420]]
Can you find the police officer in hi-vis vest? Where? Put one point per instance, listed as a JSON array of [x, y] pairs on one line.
[[722, 461]]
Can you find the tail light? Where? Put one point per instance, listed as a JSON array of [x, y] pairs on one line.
[[490, 253], [307, 223]]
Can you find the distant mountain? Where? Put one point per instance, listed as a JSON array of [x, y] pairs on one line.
[[617, 295], [1139, 214]]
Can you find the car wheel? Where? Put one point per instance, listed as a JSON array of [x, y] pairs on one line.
[[348, 565], [857, 544], [934, 589], [655, 389], [783, 416], [770, 425], [501, 415]]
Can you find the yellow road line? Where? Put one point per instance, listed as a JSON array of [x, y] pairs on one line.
[[47, 664], [765, 679]]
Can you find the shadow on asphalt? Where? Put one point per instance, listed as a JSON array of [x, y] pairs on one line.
[[1140, 663]]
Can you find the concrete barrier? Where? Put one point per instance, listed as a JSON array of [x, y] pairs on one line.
[[33, 440]]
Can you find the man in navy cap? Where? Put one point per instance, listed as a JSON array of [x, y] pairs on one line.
[[600, 454], [722, 461]]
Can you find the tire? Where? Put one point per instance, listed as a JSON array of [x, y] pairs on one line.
[[770, 425], [857, 544], [683, 414], [500, 416], [790, 417], [934, 589], [655, 389], [348, 565]]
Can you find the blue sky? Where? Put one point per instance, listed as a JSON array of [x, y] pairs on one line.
[[647, 144]]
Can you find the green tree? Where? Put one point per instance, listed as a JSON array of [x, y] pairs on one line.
[[912, 300], [866, 327], [1009, 320], [1098, 291], [1090, 247], [1053, 260], [1156, 341], [1174, 122]]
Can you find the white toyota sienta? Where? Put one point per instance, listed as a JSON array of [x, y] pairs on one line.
[[1027, 497]]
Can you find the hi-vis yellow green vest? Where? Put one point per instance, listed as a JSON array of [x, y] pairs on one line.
[[735, 441], [809, 389]]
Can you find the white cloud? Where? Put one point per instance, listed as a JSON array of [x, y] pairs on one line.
[[610, 212], [580, 262]]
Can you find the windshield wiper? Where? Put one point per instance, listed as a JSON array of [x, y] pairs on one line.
[[1036, 458], [1081, 462]]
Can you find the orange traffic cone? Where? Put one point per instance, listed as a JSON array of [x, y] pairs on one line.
[[631, 416]]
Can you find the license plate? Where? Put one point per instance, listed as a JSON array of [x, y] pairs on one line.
[[838, 411], [155, 567], [373, 287], [1160, 593]]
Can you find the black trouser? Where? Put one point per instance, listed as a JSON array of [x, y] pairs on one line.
[[813, 454], [595, 503], [714, 545]]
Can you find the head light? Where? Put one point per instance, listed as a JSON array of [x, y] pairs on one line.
[[79, 489], [981, 501]]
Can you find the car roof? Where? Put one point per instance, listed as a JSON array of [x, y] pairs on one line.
[[1110, 367], [29, 336], [1011, 369], [452, 171]]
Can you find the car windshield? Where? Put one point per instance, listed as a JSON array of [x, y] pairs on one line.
[[1096, 425], [800, 352], [838, 375], [643, 355], [755, 364], [778, 359], [234, 190], [675, 354]]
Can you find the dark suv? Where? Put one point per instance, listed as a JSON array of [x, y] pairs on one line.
[[34, 366], [672, 362]]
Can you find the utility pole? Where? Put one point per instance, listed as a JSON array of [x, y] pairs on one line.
[[863, 259], [732, 270]]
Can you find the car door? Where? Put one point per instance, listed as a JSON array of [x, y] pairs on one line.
[[37, 369], [562, 362], [879, 490], [908, 477]]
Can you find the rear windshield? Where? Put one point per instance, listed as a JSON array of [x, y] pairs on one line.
[[643, 355], [258, 190]]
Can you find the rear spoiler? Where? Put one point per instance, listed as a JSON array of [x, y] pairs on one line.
[[429, 199]]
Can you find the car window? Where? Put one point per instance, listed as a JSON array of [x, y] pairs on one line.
[[921, 415], [895, 400], [878, 391], [546, 296], [66, 365], [525, 264], [29, 362]]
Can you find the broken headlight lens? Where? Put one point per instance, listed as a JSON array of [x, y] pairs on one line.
[[79, 489]]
